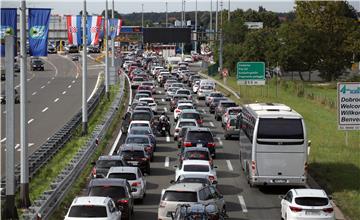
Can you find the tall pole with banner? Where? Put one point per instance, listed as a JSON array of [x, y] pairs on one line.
[[112, 39], [84, 73], [106, 50], [195, 25]]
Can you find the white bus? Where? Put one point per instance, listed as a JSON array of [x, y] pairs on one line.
[[273, 145]]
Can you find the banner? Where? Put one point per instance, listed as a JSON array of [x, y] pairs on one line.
[[93, 28], [38, 31], [7, 27], [119, 25], [74, 29], [113, 23]]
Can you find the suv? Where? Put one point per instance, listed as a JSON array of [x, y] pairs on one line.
[[222, 106], [88, 207], [103, 164], [214, 102], [230, 112], [141, 140], [200, 137], [117, 189], [37, 64], [135, 156], [230, 128], [188, 193]]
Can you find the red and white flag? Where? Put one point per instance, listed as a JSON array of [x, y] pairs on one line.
[[119, 25], [74, 29], [93, 29]]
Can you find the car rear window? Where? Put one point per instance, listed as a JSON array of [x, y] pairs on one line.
[[229, 104], [135, 154], [183, 92], [200, 135], [141, 116], [140, 131], [180, 196], [278, 128], [139, 125], [194, 180], [196, 168], [233, 122], [217, 95], [207, 87], [190, 116], [187, 123], [108, 163], [234, 111], [311, 201], [182, 107], [88, 211], [137, 140], [197, 155], [127, 176], [138, 79], [113, 192]]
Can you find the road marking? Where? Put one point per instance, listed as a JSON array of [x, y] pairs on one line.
[[17, 146], [48, 82], [34, 93], [73, 81], [28, 79], [45, 109], [17, 86], [211, 124], [4, 112], [229, 165], [242, 203], [31, 120], [69, 86], [220, 142], [2, 140], [42, 87], [77, 76], [160, 92], [163, 100], [97, 86], [203, 110], [31, 144], [165, 109], [53, 77], [64, 92], [57, 99], [55, 68], [167, 138], [166, 162]]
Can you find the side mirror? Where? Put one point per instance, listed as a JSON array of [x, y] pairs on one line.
[[330, 197], [172, 181], [215, 167]]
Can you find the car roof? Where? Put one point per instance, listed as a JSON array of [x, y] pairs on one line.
[[147, 98], [199, 128], [107, 182], [123, 169], [189, 111], [187, 149], [138, 135], [185, 104], [141, 111], [192, 187], [309, 193], [109, 157], [196, 162], [187, 120], [93, 200], [131, 147], [139, 122]]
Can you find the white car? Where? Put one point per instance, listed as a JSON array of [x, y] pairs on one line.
[[301, 204], [170, 92], [184, 122], [93, 207], [204, 91], [156, 68], [188, 59], [151, 102], [181, 107], [196, 167], [138, 123], [184, 92], [195, 87], [135, 178]]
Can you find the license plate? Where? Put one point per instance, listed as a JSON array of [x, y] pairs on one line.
[[312, 212], [199, 145], [133, 162], [280, 181]]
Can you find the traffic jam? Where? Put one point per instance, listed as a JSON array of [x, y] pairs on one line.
[[174, 110]]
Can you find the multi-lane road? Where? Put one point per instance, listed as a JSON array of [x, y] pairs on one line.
[[54, 97]]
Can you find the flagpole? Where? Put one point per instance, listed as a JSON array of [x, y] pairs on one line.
[[112, 40], [24, 169], [84, 74], [106, 51]]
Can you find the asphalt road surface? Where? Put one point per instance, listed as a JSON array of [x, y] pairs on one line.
[[54, 97]]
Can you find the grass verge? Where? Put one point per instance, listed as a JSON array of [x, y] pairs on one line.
[[335, 166]]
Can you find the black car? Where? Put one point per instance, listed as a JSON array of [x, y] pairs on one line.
[[214, 103], [199, 137], [75, 58], [93, 49], [135, 155], [37, 64], [104, 163], [16, 97], [117, 189], [72, 49], [16, 68]]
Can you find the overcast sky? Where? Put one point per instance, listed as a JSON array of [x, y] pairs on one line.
[[126, 6]]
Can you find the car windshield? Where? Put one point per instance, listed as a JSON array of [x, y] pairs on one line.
[[185, 92], [108, 163], [180, 196], [135, 154], [187, 123], [127, 176], [200, 135], [113, 192], [137, 140], [197, 155], [196, 168], [311, 201], [37, 62], [141, 116], [88, 211]]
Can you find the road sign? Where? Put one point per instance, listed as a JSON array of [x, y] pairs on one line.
[[225, 72], [348, 106], [250, 73]]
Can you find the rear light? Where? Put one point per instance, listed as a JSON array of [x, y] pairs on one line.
[[199, 121], [123, 201], [177, 129], [328, 210], [93, 171], [144, 159], [177, 110], [148, 149], [136, 184], [306, 166], [162, 204], [228, 125], [212, 178], [211, 144], [253, 166], [295, 209], [187, 144]]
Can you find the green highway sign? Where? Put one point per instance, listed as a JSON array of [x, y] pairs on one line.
[[250, 73]]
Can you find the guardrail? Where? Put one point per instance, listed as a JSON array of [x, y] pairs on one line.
[[47, 150], [50, 199]]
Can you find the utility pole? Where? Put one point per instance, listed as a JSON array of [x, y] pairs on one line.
[[182, 25], [84, 73], [221, 38], [166, 5], [229, 11], [211, 22], [216, 19], [24, 161], [142, 15], [112, 40], [195, 25], [106, 51]]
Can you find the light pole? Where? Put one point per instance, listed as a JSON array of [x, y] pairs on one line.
[[166, 14], [142, 15], [211, 22], [112, 39], [221, 38], [196, 26], [216, 18], [84, 74], [229, 11], [106, 51]]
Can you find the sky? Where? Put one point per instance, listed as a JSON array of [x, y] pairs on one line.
[[125, 6]]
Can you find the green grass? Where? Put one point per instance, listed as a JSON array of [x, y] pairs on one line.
[[42, 180], [334, 166]]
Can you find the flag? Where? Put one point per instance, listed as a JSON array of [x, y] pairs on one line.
[[7, 26], [93, 29], [38, 30], [113, 23], [119, 25], [74, 29]]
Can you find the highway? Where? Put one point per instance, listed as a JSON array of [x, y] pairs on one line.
[[54, 97]]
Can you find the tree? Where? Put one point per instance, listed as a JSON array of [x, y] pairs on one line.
[[234, 31]]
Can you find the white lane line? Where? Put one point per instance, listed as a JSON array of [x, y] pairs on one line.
[[34, 93], [4, 112], [42, 87], [64, 92], [57, 99], [45, 109], [73, 81], [28, 79], [31, 120], [77, 76], [48, 82], [31, 144], [229, 165], [160, 92], [167, 139], [211, 124], [97, 86], [55, 68], [220, 142], [163, 100], [53, 77], [2, 140], [165, 109], [17, 146], [166, 162], [242, 203], [69, 86]]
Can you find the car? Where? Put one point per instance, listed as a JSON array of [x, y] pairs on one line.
[[138, 96], [230, 128], [184, 122], [200, 137], [139, 123], [75, 58], [214, 102], [229, 112], [144, 131], [118, 190], [93, 49], [205, 90], [168, 83], [222, 106], [304, 204], [103, 164], [146, 89], [136, 81], [142, 115], [151, 85], [181, 107], [191, 114], [188, 193], [194, 166], [181, 134], [175, 99], [188, 59], [142, 140], [170, 93], [195, 153], [143, 108], [72, 49], [151, 102], [51, 48], [184, 92], [211, 96], [93, 207], [37, 64], [177, 85], [135, 156], [135, 178]]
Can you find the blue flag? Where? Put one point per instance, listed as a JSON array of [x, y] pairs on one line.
[[113, 24], [7, 27], [38, 30]]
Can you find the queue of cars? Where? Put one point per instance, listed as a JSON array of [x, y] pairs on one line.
[[193, 192]]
